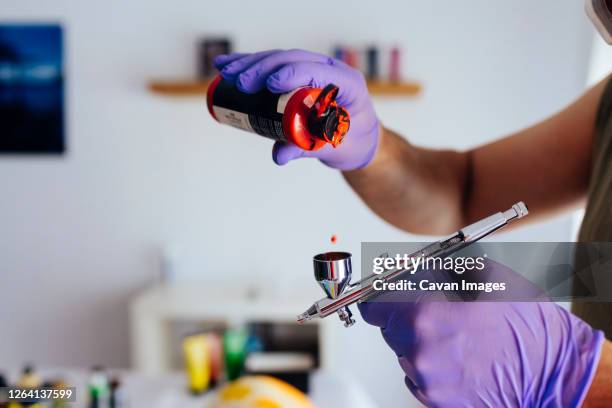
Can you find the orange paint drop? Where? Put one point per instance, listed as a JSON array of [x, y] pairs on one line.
[[333, 239]]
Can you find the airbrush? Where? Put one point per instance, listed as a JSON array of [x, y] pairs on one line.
[[333, 269]]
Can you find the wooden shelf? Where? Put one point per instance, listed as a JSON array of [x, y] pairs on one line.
[[198, 88]]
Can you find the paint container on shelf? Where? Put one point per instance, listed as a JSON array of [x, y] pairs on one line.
[[372, 71], [208, 49], [394, 65]]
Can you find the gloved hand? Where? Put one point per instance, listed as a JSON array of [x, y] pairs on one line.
[[488, 354], [284, 71]]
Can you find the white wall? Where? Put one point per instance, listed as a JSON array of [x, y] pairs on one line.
[[79, 234]]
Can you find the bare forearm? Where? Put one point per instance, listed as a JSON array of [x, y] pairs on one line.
[[600, 393], [428, 191], [418, 190]]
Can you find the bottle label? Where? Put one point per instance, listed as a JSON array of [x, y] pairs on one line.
[[233, 118], [260, 113]]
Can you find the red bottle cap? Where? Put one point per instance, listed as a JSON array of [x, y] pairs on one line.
[[327, 120]]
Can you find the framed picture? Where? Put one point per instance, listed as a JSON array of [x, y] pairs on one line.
[[31, 89]]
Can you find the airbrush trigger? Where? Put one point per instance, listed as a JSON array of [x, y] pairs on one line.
[[333, 271]]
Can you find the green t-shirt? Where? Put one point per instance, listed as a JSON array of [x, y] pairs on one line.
[[597, 223]]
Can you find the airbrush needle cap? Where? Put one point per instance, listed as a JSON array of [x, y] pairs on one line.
[[521, 209], [518, 210]]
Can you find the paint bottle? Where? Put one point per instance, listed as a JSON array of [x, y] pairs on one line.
[[29, 378], [307, 117], [371, 70], [117, 397], [197, 362], [235, 351], [98, 388], [394, 66]]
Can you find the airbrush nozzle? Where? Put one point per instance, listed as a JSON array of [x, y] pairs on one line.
[[518, 210], [307, 315]]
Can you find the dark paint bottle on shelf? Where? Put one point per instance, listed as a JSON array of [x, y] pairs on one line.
[[308, 117]]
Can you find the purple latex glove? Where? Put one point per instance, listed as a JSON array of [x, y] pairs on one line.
[[284, 71], [488, 354]]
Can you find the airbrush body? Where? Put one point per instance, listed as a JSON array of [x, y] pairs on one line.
[[333, 270]]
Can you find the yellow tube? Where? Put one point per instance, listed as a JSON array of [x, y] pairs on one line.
[[197, 362]]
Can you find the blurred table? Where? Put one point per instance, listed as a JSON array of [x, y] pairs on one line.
[[327, 389]]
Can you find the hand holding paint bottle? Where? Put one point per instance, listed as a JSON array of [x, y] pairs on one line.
[[300, 78]]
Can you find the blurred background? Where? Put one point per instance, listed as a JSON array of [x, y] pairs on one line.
[[150, 221]]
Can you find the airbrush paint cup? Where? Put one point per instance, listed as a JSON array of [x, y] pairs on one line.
[[333, 271]]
